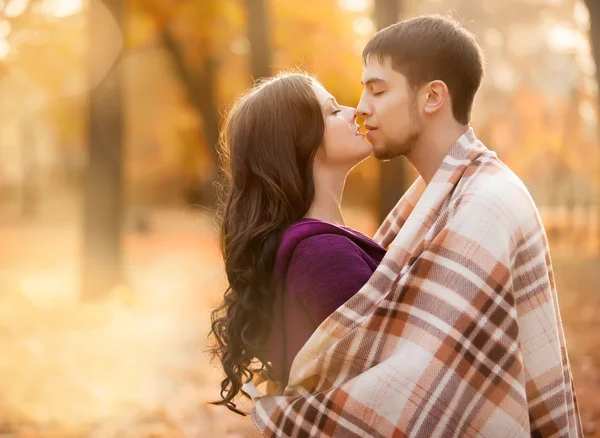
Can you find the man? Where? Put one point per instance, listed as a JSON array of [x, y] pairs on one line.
[[458, 332]]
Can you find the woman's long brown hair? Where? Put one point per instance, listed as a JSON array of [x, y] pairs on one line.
[[268, 144]]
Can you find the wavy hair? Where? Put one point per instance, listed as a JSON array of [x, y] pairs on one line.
[[267, 149]]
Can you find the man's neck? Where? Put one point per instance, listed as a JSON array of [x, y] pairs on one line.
[[430, 151]]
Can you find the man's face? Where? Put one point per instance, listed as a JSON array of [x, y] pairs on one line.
[[390, 110]]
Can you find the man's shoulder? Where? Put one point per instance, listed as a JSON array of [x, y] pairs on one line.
[[492, 179], [494, 185]]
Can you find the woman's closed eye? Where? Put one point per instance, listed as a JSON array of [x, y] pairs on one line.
[[336, 110]]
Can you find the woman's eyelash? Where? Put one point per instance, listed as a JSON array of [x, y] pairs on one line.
[[336, 111]]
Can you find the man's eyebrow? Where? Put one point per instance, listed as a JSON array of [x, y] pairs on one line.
[[372, 81]]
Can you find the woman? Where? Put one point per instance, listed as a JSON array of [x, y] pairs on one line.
[[287, 147]]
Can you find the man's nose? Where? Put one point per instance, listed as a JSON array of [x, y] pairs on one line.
[[362, 109]]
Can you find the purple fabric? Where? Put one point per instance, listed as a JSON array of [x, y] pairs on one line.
[[319, 266]]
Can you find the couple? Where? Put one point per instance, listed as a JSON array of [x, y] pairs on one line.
[[446, 323]]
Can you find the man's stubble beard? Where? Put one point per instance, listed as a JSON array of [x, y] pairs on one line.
[[393, 150]]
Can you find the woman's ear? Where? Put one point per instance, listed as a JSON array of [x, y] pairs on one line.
[[436, 95]]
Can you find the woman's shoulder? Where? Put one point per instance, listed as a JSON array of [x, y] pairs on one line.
[[322, 242], [326, 245], [314, 233]]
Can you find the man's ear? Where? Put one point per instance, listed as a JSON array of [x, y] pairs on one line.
[[436, 95]]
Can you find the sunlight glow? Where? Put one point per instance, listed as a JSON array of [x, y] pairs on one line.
[[4, 48], [14, 8], [582, 15], [355, 5], [564, 39], [363, 26], [61, 8]]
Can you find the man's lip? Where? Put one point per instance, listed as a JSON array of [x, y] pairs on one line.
[[370, 128]]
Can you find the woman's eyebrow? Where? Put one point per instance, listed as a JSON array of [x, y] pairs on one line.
[[329, 99]]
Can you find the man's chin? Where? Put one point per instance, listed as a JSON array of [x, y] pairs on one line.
[[382, 154]]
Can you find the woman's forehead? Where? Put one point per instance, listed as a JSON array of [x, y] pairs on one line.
[[322, 94]]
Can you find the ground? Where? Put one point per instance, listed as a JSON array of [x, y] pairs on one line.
[[136, 364]]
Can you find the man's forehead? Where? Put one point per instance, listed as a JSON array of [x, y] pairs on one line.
[[376, 67], [381, 70]]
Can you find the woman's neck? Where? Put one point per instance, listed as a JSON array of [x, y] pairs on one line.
[[329, 188]]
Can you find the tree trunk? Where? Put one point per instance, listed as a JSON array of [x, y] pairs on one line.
[[392, 174], [258, 35], [104, 180], [199, 85], [594, 9]]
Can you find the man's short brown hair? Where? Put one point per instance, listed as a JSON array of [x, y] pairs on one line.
[[433, 47]]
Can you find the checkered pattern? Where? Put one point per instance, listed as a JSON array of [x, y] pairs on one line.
[[456, 334]]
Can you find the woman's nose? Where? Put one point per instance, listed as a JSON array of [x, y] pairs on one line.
[[353, 114]]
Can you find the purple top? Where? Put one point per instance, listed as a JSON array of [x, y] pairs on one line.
[[318, 267]]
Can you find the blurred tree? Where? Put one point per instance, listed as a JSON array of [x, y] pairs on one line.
[[199, 82], [196, 35], [392, 174], [258, 34], [594, 10], [104, 181], [35, 71], [227, 33]]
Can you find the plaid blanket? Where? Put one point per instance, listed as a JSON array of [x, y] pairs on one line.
[[456, 334]]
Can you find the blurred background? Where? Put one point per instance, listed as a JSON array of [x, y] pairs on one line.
[[109, 116]]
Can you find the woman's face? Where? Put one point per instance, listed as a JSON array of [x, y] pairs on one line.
[[343, 146]]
